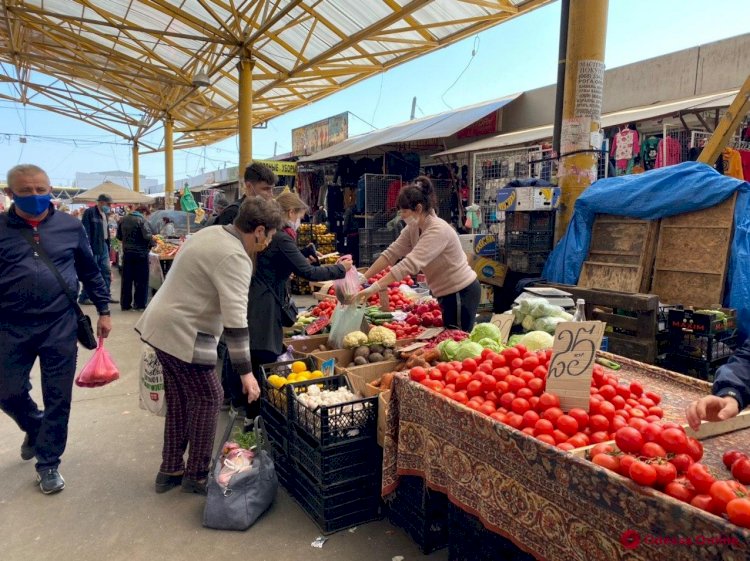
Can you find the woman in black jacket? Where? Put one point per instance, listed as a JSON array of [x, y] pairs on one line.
[[269, 286]]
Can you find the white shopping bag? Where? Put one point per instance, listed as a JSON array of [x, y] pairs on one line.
[[151, 384]]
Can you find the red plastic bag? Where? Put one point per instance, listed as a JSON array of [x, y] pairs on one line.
[[346, 289], [99, 370]]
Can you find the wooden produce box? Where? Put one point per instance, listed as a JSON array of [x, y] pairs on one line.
[[362, 383], [632, 319], [307, 345]]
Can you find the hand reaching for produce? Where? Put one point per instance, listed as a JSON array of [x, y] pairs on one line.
[[250, 387], [711, 408], [367, 292], [346, 262]]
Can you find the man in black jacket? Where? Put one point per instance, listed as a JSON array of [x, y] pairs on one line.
[[97, 230], [259, 182], [136, 237], [37, 318]]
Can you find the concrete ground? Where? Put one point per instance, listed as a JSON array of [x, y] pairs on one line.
[[109, 511]]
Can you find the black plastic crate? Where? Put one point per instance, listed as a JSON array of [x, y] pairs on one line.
[[701, 323], [529, 241], [340, 506], [421, 512], [709, 348], [535, 221], [278, 433], [328, 425], [429, 535], [469, 540], [278, 397], [423, 501], [341, 462], [526, 262]]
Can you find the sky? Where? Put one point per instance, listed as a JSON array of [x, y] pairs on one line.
[[512, 57]]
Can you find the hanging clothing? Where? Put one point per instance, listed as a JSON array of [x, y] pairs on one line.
[[669, 152], [745, 157], [649, 152], [732, 163], [394, 187], [625, 146]]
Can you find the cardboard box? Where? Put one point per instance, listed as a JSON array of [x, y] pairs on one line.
[[307, 345], [362, 383], [484, 245], [511, 199], [489, 271]]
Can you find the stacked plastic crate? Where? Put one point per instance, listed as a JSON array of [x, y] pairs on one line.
[[334, 462], [529, 236], [420, 512]]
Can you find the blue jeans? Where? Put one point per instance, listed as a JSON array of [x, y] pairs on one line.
[[102, 260]]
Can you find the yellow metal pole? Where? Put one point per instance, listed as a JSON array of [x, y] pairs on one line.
[[245, 111], [168, 164], [582, 104], [136, 168], [727, 126]]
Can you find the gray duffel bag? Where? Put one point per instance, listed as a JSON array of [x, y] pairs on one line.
[[248, 494]]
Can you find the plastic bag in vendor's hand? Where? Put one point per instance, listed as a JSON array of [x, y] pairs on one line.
[[99, 370], [346, 289]]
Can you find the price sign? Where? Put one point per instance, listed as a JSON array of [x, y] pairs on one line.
[[328, 367], [317, 326], [504, 322], [430, 333], [413, 347], [569, 373]]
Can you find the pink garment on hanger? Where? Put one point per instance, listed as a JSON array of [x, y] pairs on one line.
[[673, 152], [625, 146]]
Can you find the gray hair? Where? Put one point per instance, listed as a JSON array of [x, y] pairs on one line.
[[24, 169], [220, 201]]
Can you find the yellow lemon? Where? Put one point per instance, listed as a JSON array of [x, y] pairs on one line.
[[316, 374], [293, 377], [276, 381], [304, 377], [299, 366]]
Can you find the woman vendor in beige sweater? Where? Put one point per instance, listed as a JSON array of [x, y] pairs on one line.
[[430, 245]]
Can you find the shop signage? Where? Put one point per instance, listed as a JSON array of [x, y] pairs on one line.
[[430, 333], [485, 125], [570, 371], [322, 134], [504, 322], [280, 168]]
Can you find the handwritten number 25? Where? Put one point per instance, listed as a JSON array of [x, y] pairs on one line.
[[578, 354]]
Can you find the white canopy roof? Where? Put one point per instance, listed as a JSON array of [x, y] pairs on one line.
[[660, 109], [441, 125]]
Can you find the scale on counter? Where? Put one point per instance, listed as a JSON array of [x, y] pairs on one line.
[[554, 296]]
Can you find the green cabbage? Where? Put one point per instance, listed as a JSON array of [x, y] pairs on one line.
[[514, 340], [448, 349], [485, 331], [547, 324], [537, 340], [468, 349], [491, 344], [528, 323]]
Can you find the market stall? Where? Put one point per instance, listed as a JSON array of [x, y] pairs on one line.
[[555, 505]]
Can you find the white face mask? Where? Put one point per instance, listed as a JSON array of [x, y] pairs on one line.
[[296, 224], [411, 220]]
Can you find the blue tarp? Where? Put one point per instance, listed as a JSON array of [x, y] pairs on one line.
[[659, 193]]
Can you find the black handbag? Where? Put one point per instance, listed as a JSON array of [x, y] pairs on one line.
[[84, 329], [288, 309]]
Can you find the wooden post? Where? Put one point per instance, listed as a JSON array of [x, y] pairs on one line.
[[136, 168], [727, 126]]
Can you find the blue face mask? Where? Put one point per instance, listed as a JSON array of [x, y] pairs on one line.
[[32, 204], [105, 209]]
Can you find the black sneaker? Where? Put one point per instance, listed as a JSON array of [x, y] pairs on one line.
[[28, 448], [114, 301], [50, 481]]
